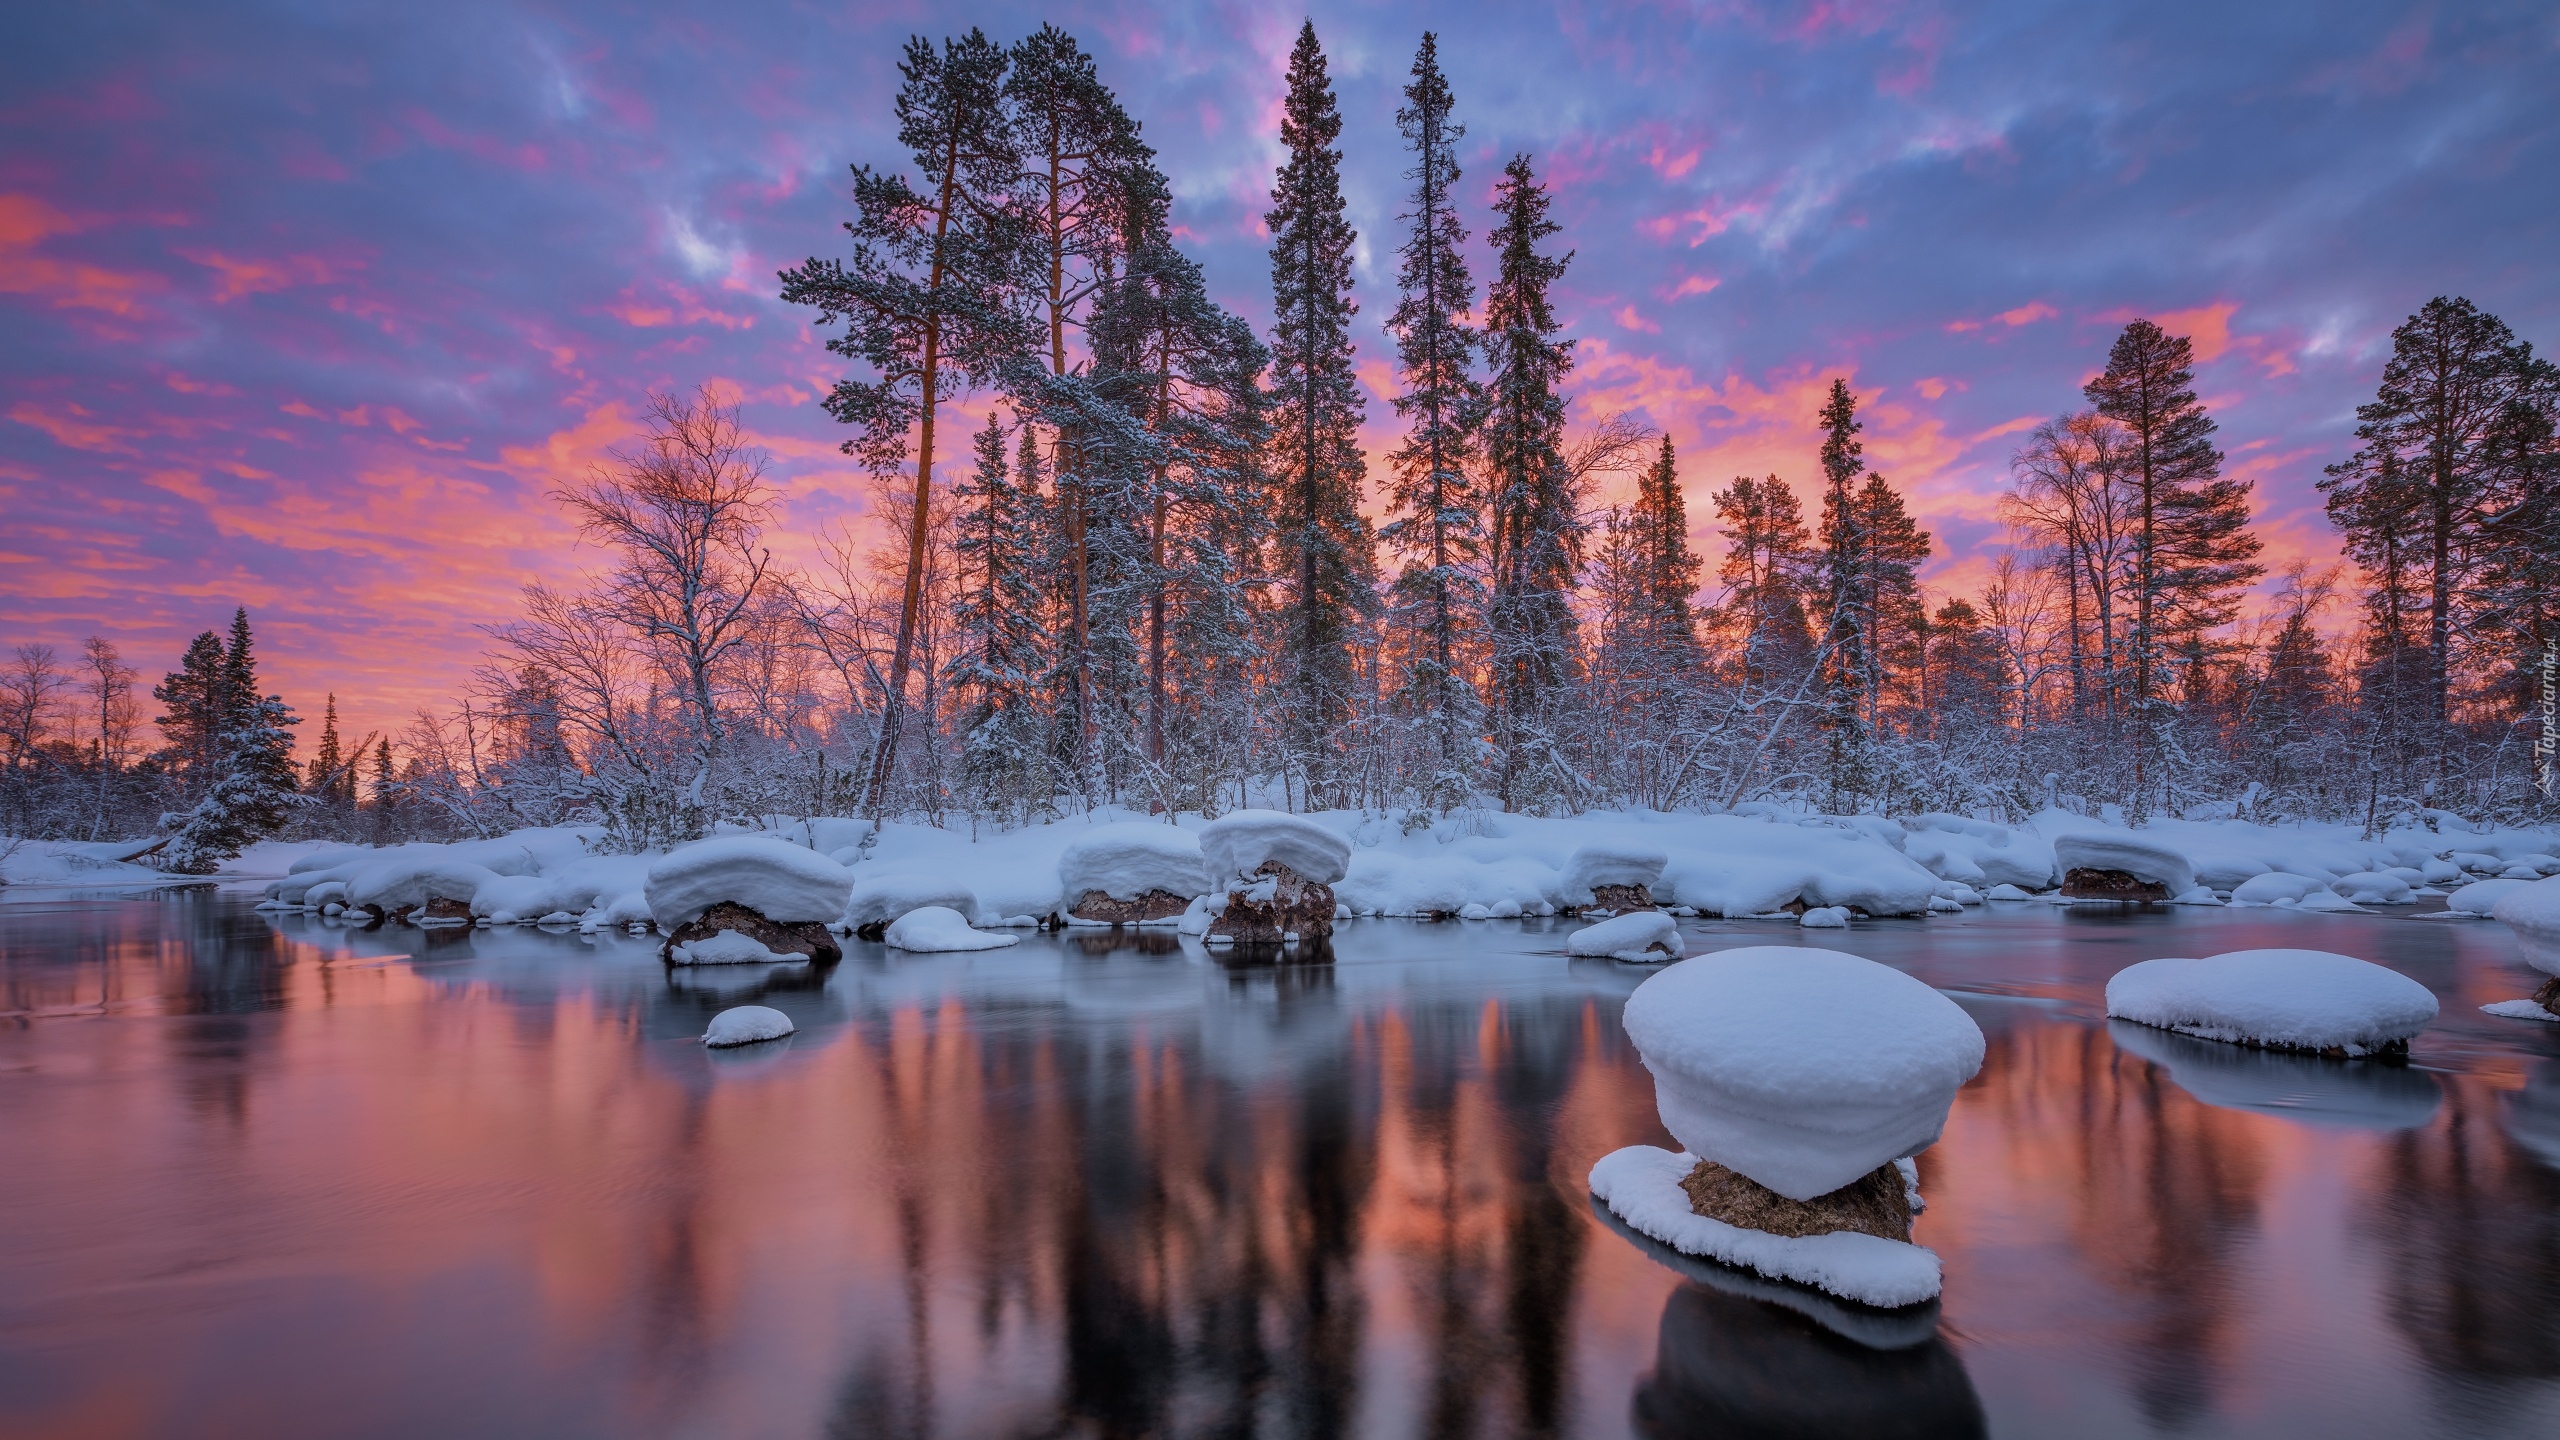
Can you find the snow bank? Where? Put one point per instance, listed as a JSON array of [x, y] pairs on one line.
[[747, 1024], [1802, 1069], [65, 862], [933, 928], [1639, 935], [1641, 1184], [1608, 863], [2285, 999], [1127, 859], [1237, 845], [2533, 912], [2138, 856], [776, 879], [1978, 852]]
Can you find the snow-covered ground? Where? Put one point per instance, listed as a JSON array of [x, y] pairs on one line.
[[1758, 860]]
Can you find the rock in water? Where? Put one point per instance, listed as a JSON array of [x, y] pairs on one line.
[[1611, 876], [694, 940], [745, 1025], [2307, 1000], [1275, 904], [1132, 873], [2120, 865], [1643, 936], [933, 928], [2532, 911], [1241, 844]]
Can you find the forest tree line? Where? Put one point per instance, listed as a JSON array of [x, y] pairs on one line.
[[1147, 579]]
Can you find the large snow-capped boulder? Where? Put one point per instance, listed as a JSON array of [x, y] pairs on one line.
[[1238, 844], [1610, 873], [1644, 936], [1801, 1069], [2276, 999], [2096, 855], [1132, 872], [776, 879], [935, 928], [2532, 911]]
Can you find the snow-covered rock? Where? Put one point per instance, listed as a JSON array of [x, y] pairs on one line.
[[2281, 999], [2533, 913], [414, 877], [1640, 935], [2141, 857], [1605, 864], [881, 898], [2480, 897], [2275, 886], [1237, 844], [2375, 887], [939, 928], [1803, 1069], [745, 1025], [1824, 917], [2007, 892], [2201, 895], [1130, 858], [776, 879]]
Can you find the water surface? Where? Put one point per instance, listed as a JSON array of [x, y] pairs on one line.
[[274, 1177]]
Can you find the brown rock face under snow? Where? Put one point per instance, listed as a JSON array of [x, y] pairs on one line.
[[1621, 898], [1275, 904], [2084, 883], [1874, 1204], [805, 938], [2548, 997], [1102, 909]]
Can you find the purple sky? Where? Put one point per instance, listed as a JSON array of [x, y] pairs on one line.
[[305, 307]]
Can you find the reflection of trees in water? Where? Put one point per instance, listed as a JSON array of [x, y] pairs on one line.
[[1733, 1366], [2163, 1190], [2469, 1228], [1190, 1231]]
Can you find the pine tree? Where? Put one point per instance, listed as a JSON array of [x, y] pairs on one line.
[[2192, 554], [1967, 677], [253, 782], [928, 299], [1889, 585], [324, 768], [1438, 523], [1847, 669], [1322, 541], [1670, 568], [1768, 562], [1536, 498], [198, 701], [999, 645]]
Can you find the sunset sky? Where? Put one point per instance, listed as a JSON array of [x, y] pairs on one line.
[[305, 307]]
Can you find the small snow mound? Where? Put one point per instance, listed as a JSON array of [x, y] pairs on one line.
[[1475, 911], [1610, 863], [880, 899], [2482, 896], [1504, 909], [774, 878], [1945, 905], [2276, 886], [2533, 912], [1825, 917], [2521, 870], [2520, 1010], [1127, 859], [729, 948], [1238, 844], [2007, 892], [2329, 902], [934, 928], [2201, 895], [2283, 999], [1641, 1185], [2135, 855], [1640, 935], [746, 1024], [1801, 1068], [2375, 887]]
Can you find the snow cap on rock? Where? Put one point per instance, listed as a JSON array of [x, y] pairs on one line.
[[881, 898], [1127, 859], [774, 878], [2292, 999], [932, 928], [1238, 844], [1803, 1069], [1639, 935], [2135, 855], [1609, 862], [2532, 910], [747, 1024], [414, 877], [2276, 885]]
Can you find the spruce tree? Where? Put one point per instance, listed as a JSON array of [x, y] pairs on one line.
[[2192, 554], [999, 648], [1889, 585], [929, 299], [197, 700], [1847, 668], [1768, 562], [1661, 518], [1323, 545], [1438, 523], [253, 783], [1536, 498]]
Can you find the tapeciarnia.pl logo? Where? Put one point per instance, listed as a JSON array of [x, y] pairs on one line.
[[2546, 751]]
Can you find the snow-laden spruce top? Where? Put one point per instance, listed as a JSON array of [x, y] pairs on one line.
[[1127, 859], [2135, 855], [2300, 999], [774, 878], [2532, 910], [1610, 863], [1802, 1068], [1238, 844]]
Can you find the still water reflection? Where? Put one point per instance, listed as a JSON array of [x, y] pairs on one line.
[[274, 1177]]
